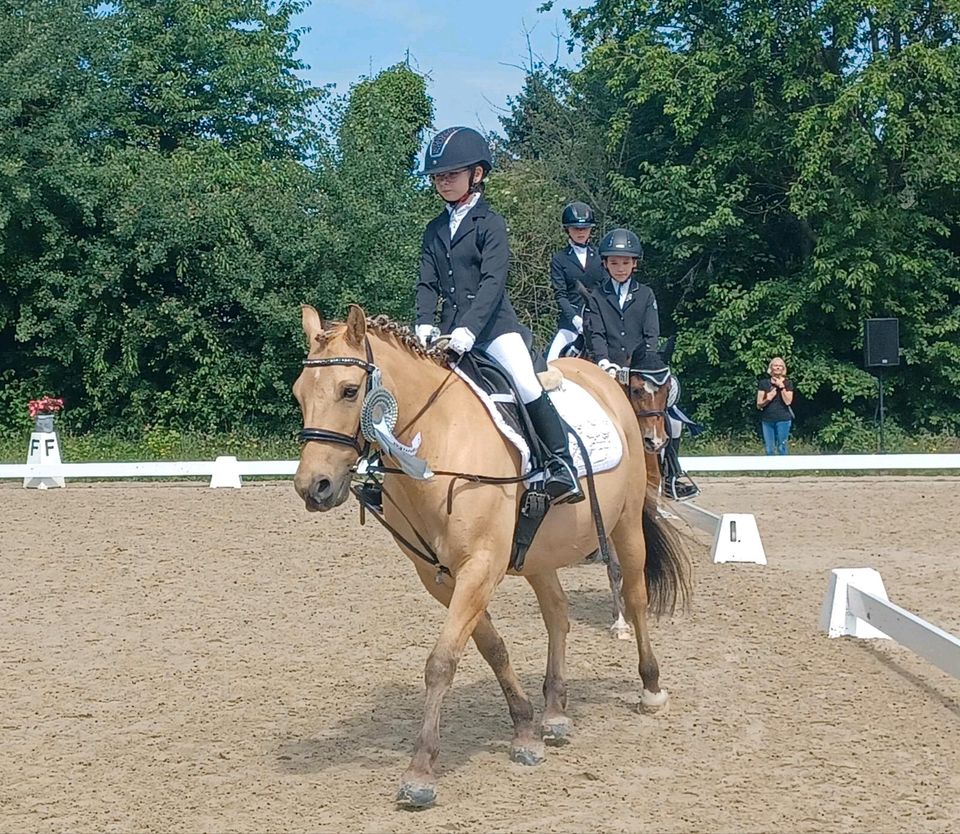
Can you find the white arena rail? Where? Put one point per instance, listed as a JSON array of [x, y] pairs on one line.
[[801, 463], [224, 464], [856, 605]]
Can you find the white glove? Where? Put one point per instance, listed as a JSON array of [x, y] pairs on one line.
[[578, 323], [427, 334], [610, 367], [461, 340]]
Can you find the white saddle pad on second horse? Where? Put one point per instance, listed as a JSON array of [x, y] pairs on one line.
[[580, 411]]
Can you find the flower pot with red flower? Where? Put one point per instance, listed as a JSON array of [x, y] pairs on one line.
[[43, 411]]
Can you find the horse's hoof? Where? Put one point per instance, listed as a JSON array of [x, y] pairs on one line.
[[654, 702], [529, 753], [557, 731], [415, 797], [618, 632]]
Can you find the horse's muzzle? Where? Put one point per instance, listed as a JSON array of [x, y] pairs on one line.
[[321, 494], [654, 445]]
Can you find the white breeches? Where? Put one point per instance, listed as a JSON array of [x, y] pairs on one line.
[[674, 426], [560, 341], [511, 352]]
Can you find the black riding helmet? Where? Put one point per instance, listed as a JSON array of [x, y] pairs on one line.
[[577, 216], [621, 242], [457, 147]]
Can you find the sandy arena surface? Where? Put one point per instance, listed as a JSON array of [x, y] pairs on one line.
[[183, 659]]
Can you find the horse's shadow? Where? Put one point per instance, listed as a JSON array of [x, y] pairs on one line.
[[381, 730]]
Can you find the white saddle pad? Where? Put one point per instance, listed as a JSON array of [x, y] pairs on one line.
[[581, 412]]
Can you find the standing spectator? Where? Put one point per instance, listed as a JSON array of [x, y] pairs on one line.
[[622, 312], [573, 269], [774, 397]]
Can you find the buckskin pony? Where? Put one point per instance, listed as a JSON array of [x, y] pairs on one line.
[[469, 525]]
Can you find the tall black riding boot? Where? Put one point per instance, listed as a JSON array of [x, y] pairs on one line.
[[561, 481]]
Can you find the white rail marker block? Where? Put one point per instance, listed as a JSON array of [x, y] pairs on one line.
[[738, 540], [836, 618], [44, 448], [858, 594], [226, 473]]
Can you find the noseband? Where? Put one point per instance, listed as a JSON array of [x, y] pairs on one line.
[[308, 435]]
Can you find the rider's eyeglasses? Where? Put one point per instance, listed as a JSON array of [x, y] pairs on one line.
[[448, 175]]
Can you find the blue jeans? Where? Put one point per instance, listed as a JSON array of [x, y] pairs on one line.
[[775, 435]]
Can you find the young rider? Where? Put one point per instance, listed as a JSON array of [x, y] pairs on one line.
[[621, 312], [463, 269], [573, 269]]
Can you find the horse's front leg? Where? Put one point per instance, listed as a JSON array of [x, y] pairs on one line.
[[556, 724], [527, 746], [475, 583]]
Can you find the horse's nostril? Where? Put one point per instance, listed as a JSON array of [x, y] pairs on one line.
[[321, 489]]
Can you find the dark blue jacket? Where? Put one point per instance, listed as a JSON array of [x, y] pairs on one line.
[[467, 276], [615, 333], [565, 274]]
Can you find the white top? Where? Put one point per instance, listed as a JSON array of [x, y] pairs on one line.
[[581, 253], [457, 213]]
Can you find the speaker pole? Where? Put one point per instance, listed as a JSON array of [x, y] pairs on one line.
[[880, 383]]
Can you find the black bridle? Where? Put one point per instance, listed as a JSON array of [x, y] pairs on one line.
[[308, 435]]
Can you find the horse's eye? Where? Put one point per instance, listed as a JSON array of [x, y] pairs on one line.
[[350, 392]]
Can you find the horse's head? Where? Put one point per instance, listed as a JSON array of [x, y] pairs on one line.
[[648, 386], [330, 391]]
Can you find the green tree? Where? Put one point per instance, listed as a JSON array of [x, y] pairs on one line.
[[377, 206], [157, 213], [793, 169]]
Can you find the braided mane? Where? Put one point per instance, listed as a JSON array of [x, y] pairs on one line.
[[401, 334]]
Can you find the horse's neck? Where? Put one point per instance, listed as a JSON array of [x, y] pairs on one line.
[[432, 400]]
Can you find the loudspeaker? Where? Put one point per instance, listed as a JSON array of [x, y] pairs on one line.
[[881, 343]]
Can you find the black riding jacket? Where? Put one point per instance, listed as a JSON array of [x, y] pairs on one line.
[[565, 274], [467, 276], [614, 333]]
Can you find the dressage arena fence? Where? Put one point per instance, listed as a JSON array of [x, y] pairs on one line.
[[227, 471], [856, 605]]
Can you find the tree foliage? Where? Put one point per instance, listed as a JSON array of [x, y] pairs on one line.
[[792, 169], [166, 202]]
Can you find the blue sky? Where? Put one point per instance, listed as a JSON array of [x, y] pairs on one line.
[[471, 52]]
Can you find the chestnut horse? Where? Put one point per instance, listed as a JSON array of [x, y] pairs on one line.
[[647, 384], [469, 525]]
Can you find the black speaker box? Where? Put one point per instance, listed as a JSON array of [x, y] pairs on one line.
[[881, 343]]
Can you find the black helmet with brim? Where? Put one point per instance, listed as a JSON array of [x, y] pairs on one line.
[[577, 216], [621, 242], [454, 148]]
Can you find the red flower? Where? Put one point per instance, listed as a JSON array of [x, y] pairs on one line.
[[45, 405]]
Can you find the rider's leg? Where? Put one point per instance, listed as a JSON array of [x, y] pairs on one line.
[[561, 475], [563, 338]]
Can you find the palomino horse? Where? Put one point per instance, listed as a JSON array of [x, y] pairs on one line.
[[647, 384], [469, 525]]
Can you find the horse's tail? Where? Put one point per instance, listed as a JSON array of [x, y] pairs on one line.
[[668, 567]]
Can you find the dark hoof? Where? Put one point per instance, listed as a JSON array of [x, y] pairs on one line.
[[528, 753], [416, 797], [557, 731]]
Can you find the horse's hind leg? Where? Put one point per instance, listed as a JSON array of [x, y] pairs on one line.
[[631, 546], [620, 628], [556, 725]]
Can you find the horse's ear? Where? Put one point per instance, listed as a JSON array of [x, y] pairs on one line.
[[312, 323], [639, 354], [356, 325], [667, 352]]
